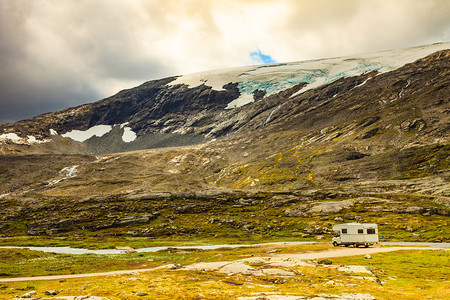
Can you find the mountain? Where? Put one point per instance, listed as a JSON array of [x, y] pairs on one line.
[[200, 107], [295, 145]]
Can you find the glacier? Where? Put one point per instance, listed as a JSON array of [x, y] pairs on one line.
[[274, 78]]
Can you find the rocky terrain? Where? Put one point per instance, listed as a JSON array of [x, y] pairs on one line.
[[283, 153]]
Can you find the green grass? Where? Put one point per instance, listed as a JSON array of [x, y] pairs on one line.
[[410, 274], [422, 264], [23, 262], [252, 224]]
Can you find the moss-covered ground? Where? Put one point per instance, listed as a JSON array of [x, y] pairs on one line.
[[232, 218]]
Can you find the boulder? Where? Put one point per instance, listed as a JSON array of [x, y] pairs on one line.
[[408, 228], [51, 293], [325, 261], [331, 207], [318, 230], [413, 210], [281, 201], [246, 202], [294, 213], [29, 295], [186, 209]]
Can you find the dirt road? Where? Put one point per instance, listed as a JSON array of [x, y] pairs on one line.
[[341, 252], [338, 252], [59, 277]]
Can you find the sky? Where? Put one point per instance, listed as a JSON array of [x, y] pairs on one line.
[[56, 54]]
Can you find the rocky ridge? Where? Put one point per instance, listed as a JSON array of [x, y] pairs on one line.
[[196, 108]]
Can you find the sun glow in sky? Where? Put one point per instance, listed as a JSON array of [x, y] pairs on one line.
[[56, 54]]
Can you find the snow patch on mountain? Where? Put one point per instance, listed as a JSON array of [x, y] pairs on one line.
[[128, 135], [67, 172], [241, 101], [277, 77], [32, 140], [100, 159], [13, 137], [83, 135], [10, 136]]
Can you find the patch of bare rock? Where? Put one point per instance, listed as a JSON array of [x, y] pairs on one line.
[[343, 296], [239, 267], [33, 295], [276, 266], [308, 208], [81, 298]]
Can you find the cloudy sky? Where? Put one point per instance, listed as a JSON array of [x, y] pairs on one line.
[[60, 53]]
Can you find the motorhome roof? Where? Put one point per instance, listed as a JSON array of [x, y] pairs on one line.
[[365, 225]]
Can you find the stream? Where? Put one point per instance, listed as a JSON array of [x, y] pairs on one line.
[[69, 250]]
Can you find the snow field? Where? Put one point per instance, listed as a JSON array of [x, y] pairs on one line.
[[276, 77]]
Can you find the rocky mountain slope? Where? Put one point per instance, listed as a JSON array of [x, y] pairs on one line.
[[199, 107], [268, 150]]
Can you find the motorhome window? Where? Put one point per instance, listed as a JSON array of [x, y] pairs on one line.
[[360, 231], [344, 230], [370, 231]]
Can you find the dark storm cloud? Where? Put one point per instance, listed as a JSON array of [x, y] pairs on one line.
[[55, 54], [24, 97], [60, 53]]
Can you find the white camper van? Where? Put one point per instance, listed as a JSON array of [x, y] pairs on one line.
[[355, 234]]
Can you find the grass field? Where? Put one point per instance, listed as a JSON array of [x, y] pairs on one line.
[[409, 274]]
